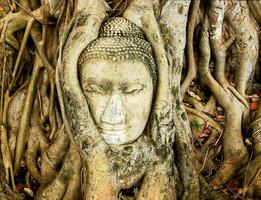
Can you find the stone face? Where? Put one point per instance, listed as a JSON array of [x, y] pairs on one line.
[[108, 105], [119, 95]]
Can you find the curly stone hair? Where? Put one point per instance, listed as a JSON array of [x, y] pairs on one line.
[[119, 40]]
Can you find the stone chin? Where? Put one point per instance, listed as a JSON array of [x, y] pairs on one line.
[[118, 137]]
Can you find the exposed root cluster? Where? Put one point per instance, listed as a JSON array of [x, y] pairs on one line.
[[217, 135]]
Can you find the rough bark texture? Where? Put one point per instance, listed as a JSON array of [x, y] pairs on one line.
[[203, 136]]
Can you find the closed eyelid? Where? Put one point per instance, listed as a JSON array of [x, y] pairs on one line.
[[136, 86]]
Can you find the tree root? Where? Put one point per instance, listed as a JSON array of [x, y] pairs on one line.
[[227, 169], [32, 153], [11, 23], [235, 153], [67, 183], [188, 173], [174, 35], [192, 66], [162, 21], [208, 193], [252, 173], [204, 116], [238, 96], [53, 156], [6, 193], [24, 122], [67, 75], [205, 164], [194, 102], [255, 8]]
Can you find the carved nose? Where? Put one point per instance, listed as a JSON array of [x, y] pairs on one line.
[[115, 112]]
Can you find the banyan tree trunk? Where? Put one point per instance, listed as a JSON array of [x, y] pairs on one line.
[[207, 56]]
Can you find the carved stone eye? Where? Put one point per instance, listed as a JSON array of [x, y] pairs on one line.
[[133, 89], [94, 88]]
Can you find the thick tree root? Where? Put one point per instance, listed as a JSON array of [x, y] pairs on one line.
[[235, 152], [67, 183], [252, 172], [53, 156], [36, 143]]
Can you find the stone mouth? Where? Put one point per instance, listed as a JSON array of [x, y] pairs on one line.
[[113, 131]]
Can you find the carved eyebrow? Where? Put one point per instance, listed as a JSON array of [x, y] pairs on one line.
[[136, 81], [105, 84]]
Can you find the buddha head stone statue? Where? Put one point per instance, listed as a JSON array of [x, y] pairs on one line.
[[118, 77]]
